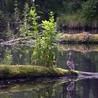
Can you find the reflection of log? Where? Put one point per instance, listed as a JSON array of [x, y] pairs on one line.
[[88, 75], [80, 48]]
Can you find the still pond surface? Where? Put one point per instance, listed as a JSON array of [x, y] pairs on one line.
[[85, 58]]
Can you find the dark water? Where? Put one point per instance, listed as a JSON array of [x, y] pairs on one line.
[[85, 59], [72, 88]]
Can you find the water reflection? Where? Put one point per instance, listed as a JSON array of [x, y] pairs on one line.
[[15, 55], [86, 88], [70, 88], [94, 86], [43, 89], [84, 57]]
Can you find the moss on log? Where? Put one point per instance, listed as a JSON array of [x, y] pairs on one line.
[[84, 37], [30, 71]]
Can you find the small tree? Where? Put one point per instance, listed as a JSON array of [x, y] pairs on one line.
[[47, 45], [16, 18], [25, 26], [44, 48]]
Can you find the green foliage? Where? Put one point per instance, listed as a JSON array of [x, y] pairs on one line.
[[1, 15], [47, 57], [72, 6], [9, 33], [70, 20], [44, 48], [34, 19], [79, 13], [24, 28], [67, 10], [8, 58], [90, 10], [16, 12]]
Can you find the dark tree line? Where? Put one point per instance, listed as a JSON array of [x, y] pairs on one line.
[[75, 12]]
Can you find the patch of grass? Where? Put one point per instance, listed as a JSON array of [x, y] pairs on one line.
[[71, 20], [76, 20], [28, 71]]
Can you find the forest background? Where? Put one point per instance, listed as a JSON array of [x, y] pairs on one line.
[[69, 14]]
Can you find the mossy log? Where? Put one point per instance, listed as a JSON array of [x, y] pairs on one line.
[[81, 38], [31, 71]]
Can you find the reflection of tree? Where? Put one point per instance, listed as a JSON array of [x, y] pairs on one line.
[[5, 55], [87, 63], [48, 92], [21, 55], [16, 55], [2, 53], [94, 86], [86, 88], [83, 62], [89, 87], [94, 58]]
